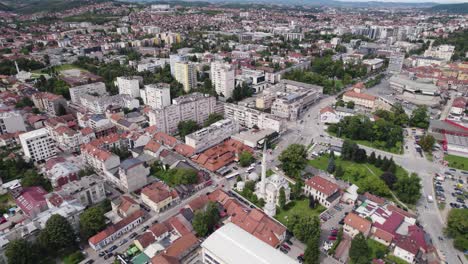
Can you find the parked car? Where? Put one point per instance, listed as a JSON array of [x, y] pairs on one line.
[[300, 258], [286, 246], [91, 261], [283, 250], [133, 235], [289, 242], [102, 253], [123, 241], [114, 247], [331, 237], [460, 200]]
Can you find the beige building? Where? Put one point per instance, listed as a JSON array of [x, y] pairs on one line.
[[250, 118], [186, 74], [158, 196]]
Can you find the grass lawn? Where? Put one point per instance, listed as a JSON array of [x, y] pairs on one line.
[[457, 162], [299, 207], [74, 258], [65, 67], [396, 260], [376, 249], [364, 175], [398, 149]]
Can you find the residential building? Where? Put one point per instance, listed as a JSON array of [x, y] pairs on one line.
[[32, 201], [98, 159], [173, 59], [186, 74], [99, 104], [156, 95], [231, 244], [131, 175], [125, 206], [250, 118], [97, 89], [457, 109], [212, 135], [373, 64], [129, 85], [88, 190], [222, 77], [396, 62], [37, 145], [452, 136], [59, 171], [194, 106], [354, 224], [330, 115], [322, 190], [221, 155], [158, 196], [184, 250], [48, 102], [108, 235], [444, 52], [11, 122]]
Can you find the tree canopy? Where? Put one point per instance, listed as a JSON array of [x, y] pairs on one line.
[[457, 227], [419, 117], [359, 252], [187, 127], [57, 235], [293, 159], [246, 158], [92, 221]]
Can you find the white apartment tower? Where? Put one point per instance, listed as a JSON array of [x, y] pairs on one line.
[[129, 85], [222, 77], [156, 95], [11, 122], [37, 145]]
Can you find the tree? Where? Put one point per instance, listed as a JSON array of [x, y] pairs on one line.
[[339, 172], [359, 251], [293, 159], [350, 105], [57, 235], [205, 220], [92, 221], [187, 127], [213, 118], [200, 224], [246, 158], [306, 227], [296, 190], [427, 142], [22, 252], [408, 189], [31, 178], [378, 162], [389, 178], [282, 198], [331, 165], [419, 118], [457, 227], [312, 252], [385, 164], [372, 158]]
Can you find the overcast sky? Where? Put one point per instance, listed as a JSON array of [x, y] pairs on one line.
[[411, 1]]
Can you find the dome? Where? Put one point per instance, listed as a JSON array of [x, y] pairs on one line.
[[253, 176], [240, 186]]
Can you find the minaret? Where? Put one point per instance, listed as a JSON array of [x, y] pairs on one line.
[[264, 162], [17, 68]]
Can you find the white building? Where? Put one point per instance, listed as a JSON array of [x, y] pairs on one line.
[[231, 244], [130, 176], [11, 122], [98, 105], [88, 190], [222, 77], [194, 106], [156, 95], [98, 159], [212, 135], [322, 190], [250, 118], [98, 89], [37, 145], [444, 52], [173, 58], [122, 30], [129, 85], [269, 189]]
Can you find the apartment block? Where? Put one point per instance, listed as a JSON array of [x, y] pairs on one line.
[[88, 190], [248, 117], [37, 145], [156, 95], [98, 89], [129, 85], [11, 122], [212, 135], [222, 77], [49, 102], [98, 105], [186, 74], [194, 106]]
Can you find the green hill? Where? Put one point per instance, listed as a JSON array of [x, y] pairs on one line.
[[451, 8], [34, 6]]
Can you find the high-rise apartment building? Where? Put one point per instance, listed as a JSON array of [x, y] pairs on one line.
[[129, 85], [186, 74], [11, 122], [222, 77], [37, 145], [156, 95]]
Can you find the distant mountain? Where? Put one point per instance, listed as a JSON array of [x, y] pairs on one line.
[[451, 8], [33, 6], [4, 7]]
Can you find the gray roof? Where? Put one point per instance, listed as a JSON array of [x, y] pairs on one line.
[[128, 163]]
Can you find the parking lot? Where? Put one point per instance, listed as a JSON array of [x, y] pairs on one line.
[[452, 190]]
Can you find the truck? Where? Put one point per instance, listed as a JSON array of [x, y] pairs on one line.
[[430, 199]]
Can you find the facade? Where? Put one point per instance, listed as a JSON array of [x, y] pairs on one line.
[[108, 235], [98, 88], [60, 171], [173, 59], [444, 52], [131, 175], [231, 244], [129, 85], [212, 135], [322, 190], [11, 122], [396, 62], [98, 105], [158, 196], [37, 145], [98, 159], [250, 118], [222, 77], [186, 74], [49, 102], [88, 190], [156, 95], [194, 106]]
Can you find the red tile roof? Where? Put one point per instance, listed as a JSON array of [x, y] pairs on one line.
[[355, 221], [32, 200], [184, 150], [364, 96], [322, 185], [156, 192], [114, 228], [146, 239], [126, 203], [221, 155], [181, 246]]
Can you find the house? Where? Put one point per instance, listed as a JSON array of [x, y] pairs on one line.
[[322, 190], [60, 171], [412, 245], [125, 206], [354, 224], [183, 250], [458, 106], [131, 175], [111, 233], [158, 196], [32, 201]]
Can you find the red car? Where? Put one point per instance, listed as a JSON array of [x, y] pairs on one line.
[[331, 237], [286, 246], [334, 232]]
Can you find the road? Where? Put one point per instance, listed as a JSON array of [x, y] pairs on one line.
[[428, 214]]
